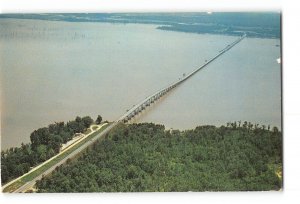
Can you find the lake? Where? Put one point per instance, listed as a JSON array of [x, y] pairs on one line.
[[53, 71]]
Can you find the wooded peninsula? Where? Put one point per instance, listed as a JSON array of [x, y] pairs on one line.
[[147, 157]]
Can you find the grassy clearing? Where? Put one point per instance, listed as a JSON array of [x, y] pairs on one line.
[[14, 186]]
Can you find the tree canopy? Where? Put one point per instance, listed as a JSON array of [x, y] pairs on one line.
[[99, 119], [45, 143], [146, 157]]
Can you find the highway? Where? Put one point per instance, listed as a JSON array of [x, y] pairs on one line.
[[31, 183], [135, 110]]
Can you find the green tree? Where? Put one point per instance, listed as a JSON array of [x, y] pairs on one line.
[[87, 121], [42, 152], [99, 119]]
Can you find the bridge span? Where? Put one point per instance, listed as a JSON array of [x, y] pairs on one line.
[[135, 110]]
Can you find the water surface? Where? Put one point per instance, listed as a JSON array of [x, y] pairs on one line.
[[53, 71]]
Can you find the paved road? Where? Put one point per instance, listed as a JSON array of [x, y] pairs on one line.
[[31, 183], [55, 156]]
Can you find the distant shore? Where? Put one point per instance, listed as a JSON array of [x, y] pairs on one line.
[[258, 25]]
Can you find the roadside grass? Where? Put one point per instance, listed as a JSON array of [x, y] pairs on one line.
[[13, 186], [87, 131], [17, 184]]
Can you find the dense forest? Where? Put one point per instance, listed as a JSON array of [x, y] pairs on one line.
[[146, 157], [45, 143]]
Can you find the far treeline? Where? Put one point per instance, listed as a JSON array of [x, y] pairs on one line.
[[146, 157], [45, 143], [254, 24]]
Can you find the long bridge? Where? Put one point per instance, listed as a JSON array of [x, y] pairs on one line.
[[135, 110]]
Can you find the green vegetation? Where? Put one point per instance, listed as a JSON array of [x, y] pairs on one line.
[[43, 168], [45, 143], [99, 119], [146, 157], [13, 186]]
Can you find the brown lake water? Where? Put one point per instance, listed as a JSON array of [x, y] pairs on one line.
[[54, 71]]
